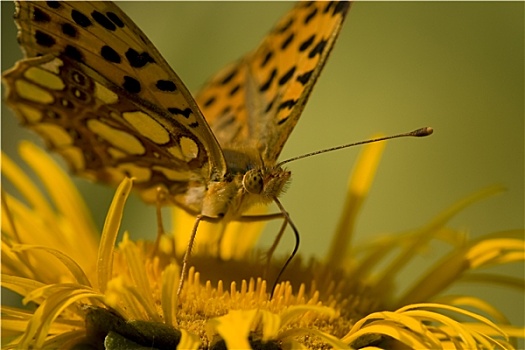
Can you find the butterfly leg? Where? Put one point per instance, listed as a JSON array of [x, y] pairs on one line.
[[267, 217], [271, 251], [162, 199], [287, 220], [187, 254]]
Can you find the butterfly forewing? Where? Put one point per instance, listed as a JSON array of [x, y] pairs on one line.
[[100, 37], [101, 95], [261, 97]]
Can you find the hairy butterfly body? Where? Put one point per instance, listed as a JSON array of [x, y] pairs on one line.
[[100, 94]]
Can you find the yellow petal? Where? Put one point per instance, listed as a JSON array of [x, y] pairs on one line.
[[125, 300], [495, 251], [20, 285], [271, 323], [110, 232], [27, 188], [65, 196], [71, 265], [234, 327], [170, 281], [417, 331], [358, 187], [46, 313], [473, 302], [329, 339], [473, 315], [392, 330], [188, 341], [135, 262], [293, 312]]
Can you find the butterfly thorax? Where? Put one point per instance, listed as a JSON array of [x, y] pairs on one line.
[[248, 182]]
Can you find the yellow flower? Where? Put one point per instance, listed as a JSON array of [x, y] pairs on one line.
[[83, 290]]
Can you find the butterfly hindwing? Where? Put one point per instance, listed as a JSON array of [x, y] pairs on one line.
[[261, 96]]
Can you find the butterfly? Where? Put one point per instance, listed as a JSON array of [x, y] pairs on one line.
[[101, 95]]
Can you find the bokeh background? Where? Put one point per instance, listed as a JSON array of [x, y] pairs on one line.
[[397, 66]]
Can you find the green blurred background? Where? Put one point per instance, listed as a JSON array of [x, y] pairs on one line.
[[397, 66]]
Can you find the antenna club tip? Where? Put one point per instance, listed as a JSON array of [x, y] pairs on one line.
[[426, 131]]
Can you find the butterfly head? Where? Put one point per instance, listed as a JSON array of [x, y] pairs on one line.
[[268, 183]]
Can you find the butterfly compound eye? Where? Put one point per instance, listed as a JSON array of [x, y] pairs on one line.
[[253, 181]]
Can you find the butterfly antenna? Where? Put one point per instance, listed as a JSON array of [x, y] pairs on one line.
[[417, 133], [295, 249]]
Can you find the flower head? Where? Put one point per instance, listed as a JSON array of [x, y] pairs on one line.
[[86, 290]]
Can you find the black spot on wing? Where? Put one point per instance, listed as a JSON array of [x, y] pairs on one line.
[[286, 77], [266, 59], [318, 49], [282, 120], [40, 16], [69, 30], [166, 85], [287, 41], [285, 26], [287, 104], [234, 90], [310, 16], [341, 8], [307, 4], [109, 54], [131, 85], [306, 44], [305, 77], [44, 39], [226, 110], [138, 60], [177, 111], [229, 77], [74, 53], [80, 19], [115, 19], [266, 85], [329, 6], [103, 21], [53, 4], [270, 105], [209, 101]]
